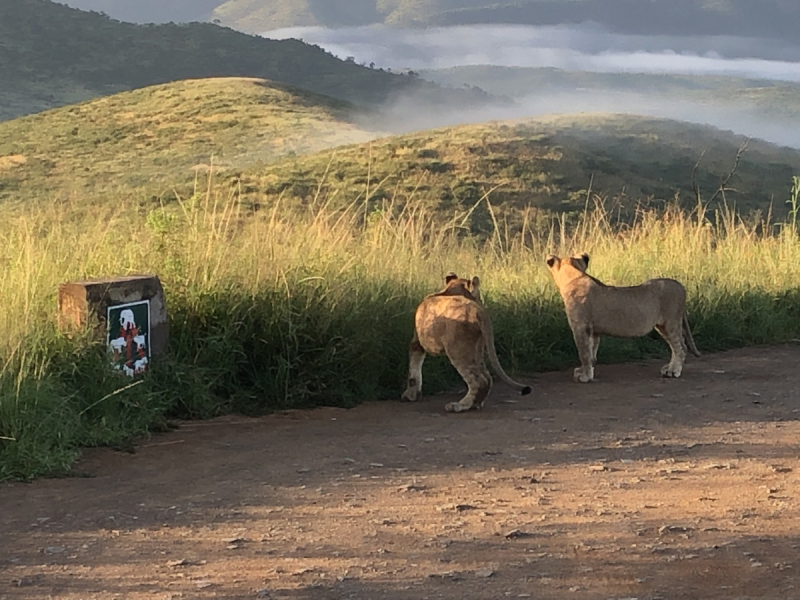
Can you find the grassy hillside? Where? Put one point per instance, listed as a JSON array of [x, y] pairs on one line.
[[52, 55], [146, 144], [547, 164], [145, 141], [766, 18]]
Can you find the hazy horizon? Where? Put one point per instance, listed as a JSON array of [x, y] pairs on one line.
[[573, 48], [568, 47], [407, 115]]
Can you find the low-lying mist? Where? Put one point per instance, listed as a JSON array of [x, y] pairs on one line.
[[570, 47], [409, 113], [586, 48]]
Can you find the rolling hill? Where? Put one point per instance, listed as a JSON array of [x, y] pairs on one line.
[[766, 18], [747, 18], [546, 164], [52, 55], [146, 141], [268, 142]]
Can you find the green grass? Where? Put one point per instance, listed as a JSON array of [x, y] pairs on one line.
[[293, 284], [300, 308]]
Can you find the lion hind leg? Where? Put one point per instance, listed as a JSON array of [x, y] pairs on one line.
[[416, 356], [479, 384], [478, 390], [688, 338], [674, 337], [487, 382]]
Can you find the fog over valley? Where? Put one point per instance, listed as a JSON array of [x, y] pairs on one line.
[[583, 47], [437, 53]]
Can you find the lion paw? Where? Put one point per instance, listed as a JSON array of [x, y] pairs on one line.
[[668, 371], [411, 395], [456, 407], [582, 375]]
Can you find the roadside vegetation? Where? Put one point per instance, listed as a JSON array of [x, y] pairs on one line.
[[291, 280], [284, 309]]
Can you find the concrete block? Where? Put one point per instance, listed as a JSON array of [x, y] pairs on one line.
[[128, 313]]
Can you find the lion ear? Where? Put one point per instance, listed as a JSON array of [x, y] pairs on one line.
[[585, 258], [552, 260], [476, 290], [450, 277]]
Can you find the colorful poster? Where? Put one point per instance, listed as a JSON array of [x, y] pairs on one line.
[[129, 337]]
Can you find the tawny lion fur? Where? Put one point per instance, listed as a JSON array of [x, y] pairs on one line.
[[595, 309], [454, 322]]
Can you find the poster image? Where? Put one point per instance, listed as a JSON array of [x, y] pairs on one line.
[[129, 337]]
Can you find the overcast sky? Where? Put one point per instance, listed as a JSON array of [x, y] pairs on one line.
[[582, 48]]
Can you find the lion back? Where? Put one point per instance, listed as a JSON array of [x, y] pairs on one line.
[[445, 321], [634, 311]]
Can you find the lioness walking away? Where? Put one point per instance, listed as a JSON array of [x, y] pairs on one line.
[[454, 322], [595, 309]]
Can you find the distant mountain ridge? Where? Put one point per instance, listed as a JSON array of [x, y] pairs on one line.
[[150, 11], [743, 18], [748, 18], [52, 55]]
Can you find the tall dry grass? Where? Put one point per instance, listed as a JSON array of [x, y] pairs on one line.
[[296, 307]]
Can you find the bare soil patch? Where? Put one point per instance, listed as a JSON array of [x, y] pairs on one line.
[[630, 487]]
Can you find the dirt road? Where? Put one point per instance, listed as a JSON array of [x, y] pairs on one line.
[[629, 487]]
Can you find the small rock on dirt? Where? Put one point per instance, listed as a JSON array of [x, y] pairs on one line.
[[665, 529], [181, 562], [234, 540], [516, 534], [411, 487]]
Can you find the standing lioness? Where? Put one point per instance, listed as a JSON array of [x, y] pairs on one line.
[[454, 322], [595, 309]]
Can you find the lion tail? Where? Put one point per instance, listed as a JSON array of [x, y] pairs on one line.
[[488, 336], [687, 335]]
